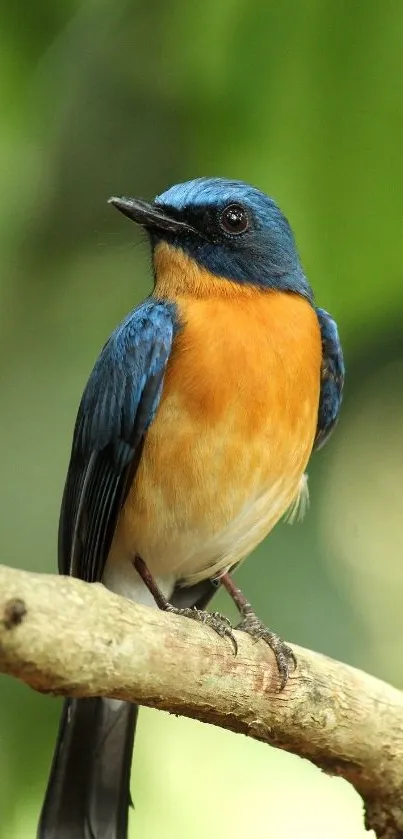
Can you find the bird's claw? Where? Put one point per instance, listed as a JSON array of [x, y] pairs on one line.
[[221, 625], [285, 658]]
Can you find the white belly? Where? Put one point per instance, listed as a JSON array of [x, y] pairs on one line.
[[189, 557]]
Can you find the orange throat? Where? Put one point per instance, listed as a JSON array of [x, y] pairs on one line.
[[178, 275]]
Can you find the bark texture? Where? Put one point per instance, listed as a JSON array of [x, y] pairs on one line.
[[63, 636]]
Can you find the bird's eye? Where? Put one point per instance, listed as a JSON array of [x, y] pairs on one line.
[[234, 219]]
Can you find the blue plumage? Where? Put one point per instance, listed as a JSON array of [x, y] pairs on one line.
[[117, 407], [332, 378], [264, 254], [216, 192], [112, 406]]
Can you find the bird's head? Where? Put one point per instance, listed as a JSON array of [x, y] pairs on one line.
[[218, 229]]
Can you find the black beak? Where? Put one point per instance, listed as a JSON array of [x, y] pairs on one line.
[[150, 216]]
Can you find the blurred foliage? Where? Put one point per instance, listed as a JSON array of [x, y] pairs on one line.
[[303, 99]]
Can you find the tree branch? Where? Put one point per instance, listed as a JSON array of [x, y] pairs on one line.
[[63, 636]]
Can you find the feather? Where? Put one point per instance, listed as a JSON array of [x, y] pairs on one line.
[[117, 407], [332, 378], [300, 504]]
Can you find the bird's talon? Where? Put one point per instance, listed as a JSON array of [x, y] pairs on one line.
[[285, 658], [221, 625], [221, 618]]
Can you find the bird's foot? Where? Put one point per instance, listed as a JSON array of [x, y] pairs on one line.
[[221, 625], [285, 658]]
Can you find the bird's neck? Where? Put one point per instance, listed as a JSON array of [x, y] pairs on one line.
[[178, 275]]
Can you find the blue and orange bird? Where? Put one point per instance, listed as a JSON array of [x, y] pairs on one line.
[[191, 441]]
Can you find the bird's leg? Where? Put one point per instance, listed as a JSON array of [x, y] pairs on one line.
[[250, 623], [218, 622], [150, 583]]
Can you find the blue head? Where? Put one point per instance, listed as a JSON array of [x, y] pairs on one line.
[[229, 228]]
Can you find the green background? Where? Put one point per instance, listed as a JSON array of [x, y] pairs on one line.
[[304, 99]]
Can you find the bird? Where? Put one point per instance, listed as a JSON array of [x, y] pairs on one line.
[[191, 442]]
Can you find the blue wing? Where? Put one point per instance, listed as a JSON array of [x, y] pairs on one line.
[[117, 407], [332, 378]]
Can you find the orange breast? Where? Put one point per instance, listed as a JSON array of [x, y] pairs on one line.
[[225, 455]]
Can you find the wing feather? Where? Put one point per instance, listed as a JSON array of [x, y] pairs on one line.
[[117, 407], [332, 378]]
